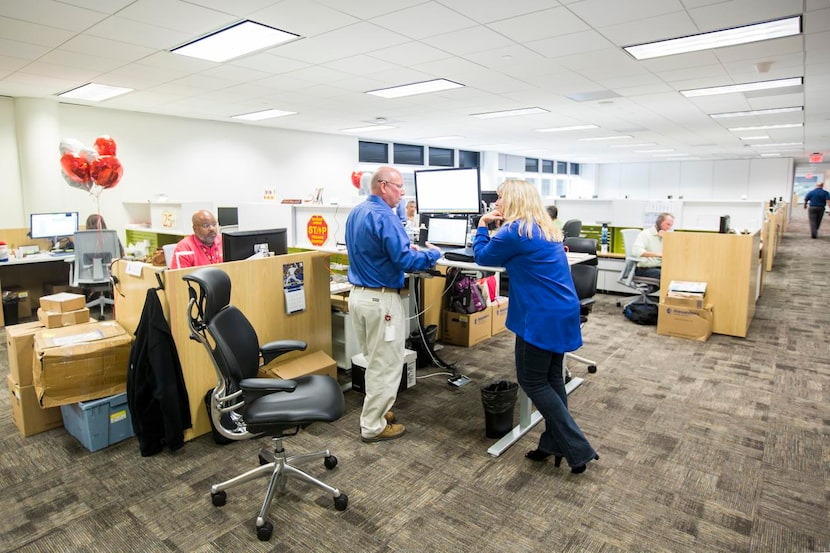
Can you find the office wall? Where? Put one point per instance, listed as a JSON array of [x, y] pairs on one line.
[[756, 179], [186, 159]]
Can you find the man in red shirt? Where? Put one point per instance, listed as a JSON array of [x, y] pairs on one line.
[[203, 247]]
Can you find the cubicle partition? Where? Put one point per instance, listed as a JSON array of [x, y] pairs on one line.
[[257, 290], [730, 264]]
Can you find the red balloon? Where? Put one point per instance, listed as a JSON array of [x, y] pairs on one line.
[[105, 145], [75, 167], [106, 171], [356, 179]]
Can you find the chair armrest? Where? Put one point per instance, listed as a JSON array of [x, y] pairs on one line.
[[267, 385], [272, 350]]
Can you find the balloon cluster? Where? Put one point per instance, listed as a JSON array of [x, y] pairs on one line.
[[356, 176], [90, 169]]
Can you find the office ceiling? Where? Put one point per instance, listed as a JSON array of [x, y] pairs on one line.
[[564, 56]]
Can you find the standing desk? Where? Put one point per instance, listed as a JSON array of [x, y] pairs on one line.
[[528, 416]]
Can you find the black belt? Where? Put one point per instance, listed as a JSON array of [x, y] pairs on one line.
[[382, 290]]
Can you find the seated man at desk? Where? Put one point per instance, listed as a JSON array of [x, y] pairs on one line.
[[649, 246], [203, 247]]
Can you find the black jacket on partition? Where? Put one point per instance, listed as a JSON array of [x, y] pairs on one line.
[[156, 392]]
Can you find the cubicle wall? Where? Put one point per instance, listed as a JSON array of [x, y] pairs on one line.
[[729, 264], [257, 290]]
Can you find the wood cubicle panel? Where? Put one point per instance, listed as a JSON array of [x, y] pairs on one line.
[[774, 227], [257, 290], [130, 293], [728, 263]]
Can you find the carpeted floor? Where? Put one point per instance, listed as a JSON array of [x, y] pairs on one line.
[[715, 446]]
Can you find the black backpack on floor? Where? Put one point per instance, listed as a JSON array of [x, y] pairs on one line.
[[641, 313]]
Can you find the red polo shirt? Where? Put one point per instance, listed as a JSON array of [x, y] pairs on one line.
[[191, 252]]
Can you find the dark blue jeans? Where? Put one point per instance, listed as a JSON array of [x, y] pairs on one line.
[[651, 272], [540, 375]]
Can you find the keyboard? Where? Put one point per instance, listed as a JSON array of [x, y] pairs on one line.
[[460, 254]]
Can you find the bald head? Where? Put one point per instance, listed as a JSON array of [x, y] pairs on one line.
[[387, 183], [205, 227]]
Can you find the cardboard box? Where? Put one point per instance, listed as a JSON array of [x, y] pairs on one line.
[[20, 343], [54, 319], [50, 288], [313, 363], [687, 286], [683, 299], [463, 329], [63, 302], [499, 313], [80, 362], [685, 322], [29, 418], [408, 372], [98, 423]]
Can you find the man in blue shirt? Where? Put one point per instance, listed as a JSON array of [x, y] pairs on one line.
[[379, 254], [817, 199]]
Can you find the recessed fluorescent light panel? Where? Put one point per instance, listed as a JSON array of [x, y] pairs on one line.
[[94, 92], [234, 41], [265, 114], [642, 145], [508, 113], [745, 87], [435, 85], [759, 137], [717, 39], [657, 151], [598, 138], [771, 154], [367, 128], [766, 127], [565, 129], [776, 145], [771, 111]]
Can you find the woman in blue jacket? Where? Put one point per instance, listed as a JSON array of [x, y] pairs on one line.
[[543, 312]]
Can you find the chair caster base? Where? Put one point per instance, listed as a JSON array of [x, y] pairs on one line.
[[264, 532], [592, 369], [341, 502]]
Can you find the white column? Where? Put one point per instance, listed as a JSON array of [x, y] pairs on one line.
[[38, 141]]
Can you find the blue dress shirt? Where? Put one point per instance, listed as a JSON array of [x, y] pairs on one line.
[[379, 247], [544, 307]]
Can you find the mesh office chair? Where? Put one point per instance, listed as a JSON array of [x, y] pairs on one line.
[[258, 406], [572, 228], [585, 282], [645, 286], [95, 251]]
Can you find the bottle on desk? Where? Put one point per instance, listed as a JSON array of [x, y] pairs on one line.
[[4, 251]]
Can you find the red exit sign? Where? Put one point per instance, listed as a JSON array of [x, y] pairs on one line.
[[816, 158]]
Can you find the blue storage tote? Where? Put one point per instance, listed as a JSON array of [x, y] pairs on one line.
[[100, 422]]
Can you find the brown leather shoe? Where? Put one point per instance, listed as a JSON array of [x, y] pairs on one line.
[[390, 417], [391, 432]]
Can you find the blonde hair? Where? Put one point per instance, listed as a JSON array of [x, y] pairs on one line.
[[522, 204]]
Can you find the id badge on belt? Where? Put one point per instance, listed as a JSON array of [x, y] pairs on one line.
[[389, 329]]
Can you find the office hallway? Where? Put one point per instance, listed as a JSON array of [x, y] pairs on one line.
[[715, 446]]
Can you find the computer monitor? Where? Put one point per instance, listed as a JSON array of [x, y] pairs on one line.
[[448, 190], [227, 216], [53, 225], [242, 244]]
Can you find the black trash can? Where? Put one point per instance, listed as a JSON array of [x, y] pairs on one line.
[[499, 399], [10, 301]]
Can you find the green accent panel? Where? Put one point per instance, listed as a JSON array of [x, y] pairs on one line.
[[155, 239]]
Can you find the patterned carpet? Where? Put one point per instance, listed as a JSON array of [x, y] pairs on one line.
[[715, 446]]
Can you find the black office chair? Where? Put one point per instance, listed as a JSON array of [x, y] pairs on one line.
[[257, 406], [585, 282], [583, 245], [572, 228], [644, 286]]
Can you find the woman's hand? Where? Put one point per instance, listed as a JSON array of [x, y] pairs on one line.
[[494, 216]]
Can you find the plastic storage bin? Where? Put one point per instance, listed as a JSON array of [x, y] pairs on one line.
[[100, 422]]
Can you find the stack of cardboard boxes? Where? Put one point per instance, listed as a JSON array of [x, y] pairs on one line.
[[463, 329], [684, 313], [56, 363]]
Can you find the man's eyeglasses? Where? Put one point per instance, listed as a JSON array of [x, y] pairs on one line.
[[400, 186], [208, 225]]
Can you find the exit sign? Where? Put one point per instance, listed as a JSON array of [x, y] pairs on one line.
[[816, 158]]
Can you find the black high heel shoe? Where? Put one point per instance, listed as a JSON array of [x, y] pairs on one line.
[[579, 469], [538, 455]]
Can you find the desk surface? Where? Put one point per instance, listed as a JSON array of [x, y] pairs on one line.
[[573, 259], [39, 258]]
